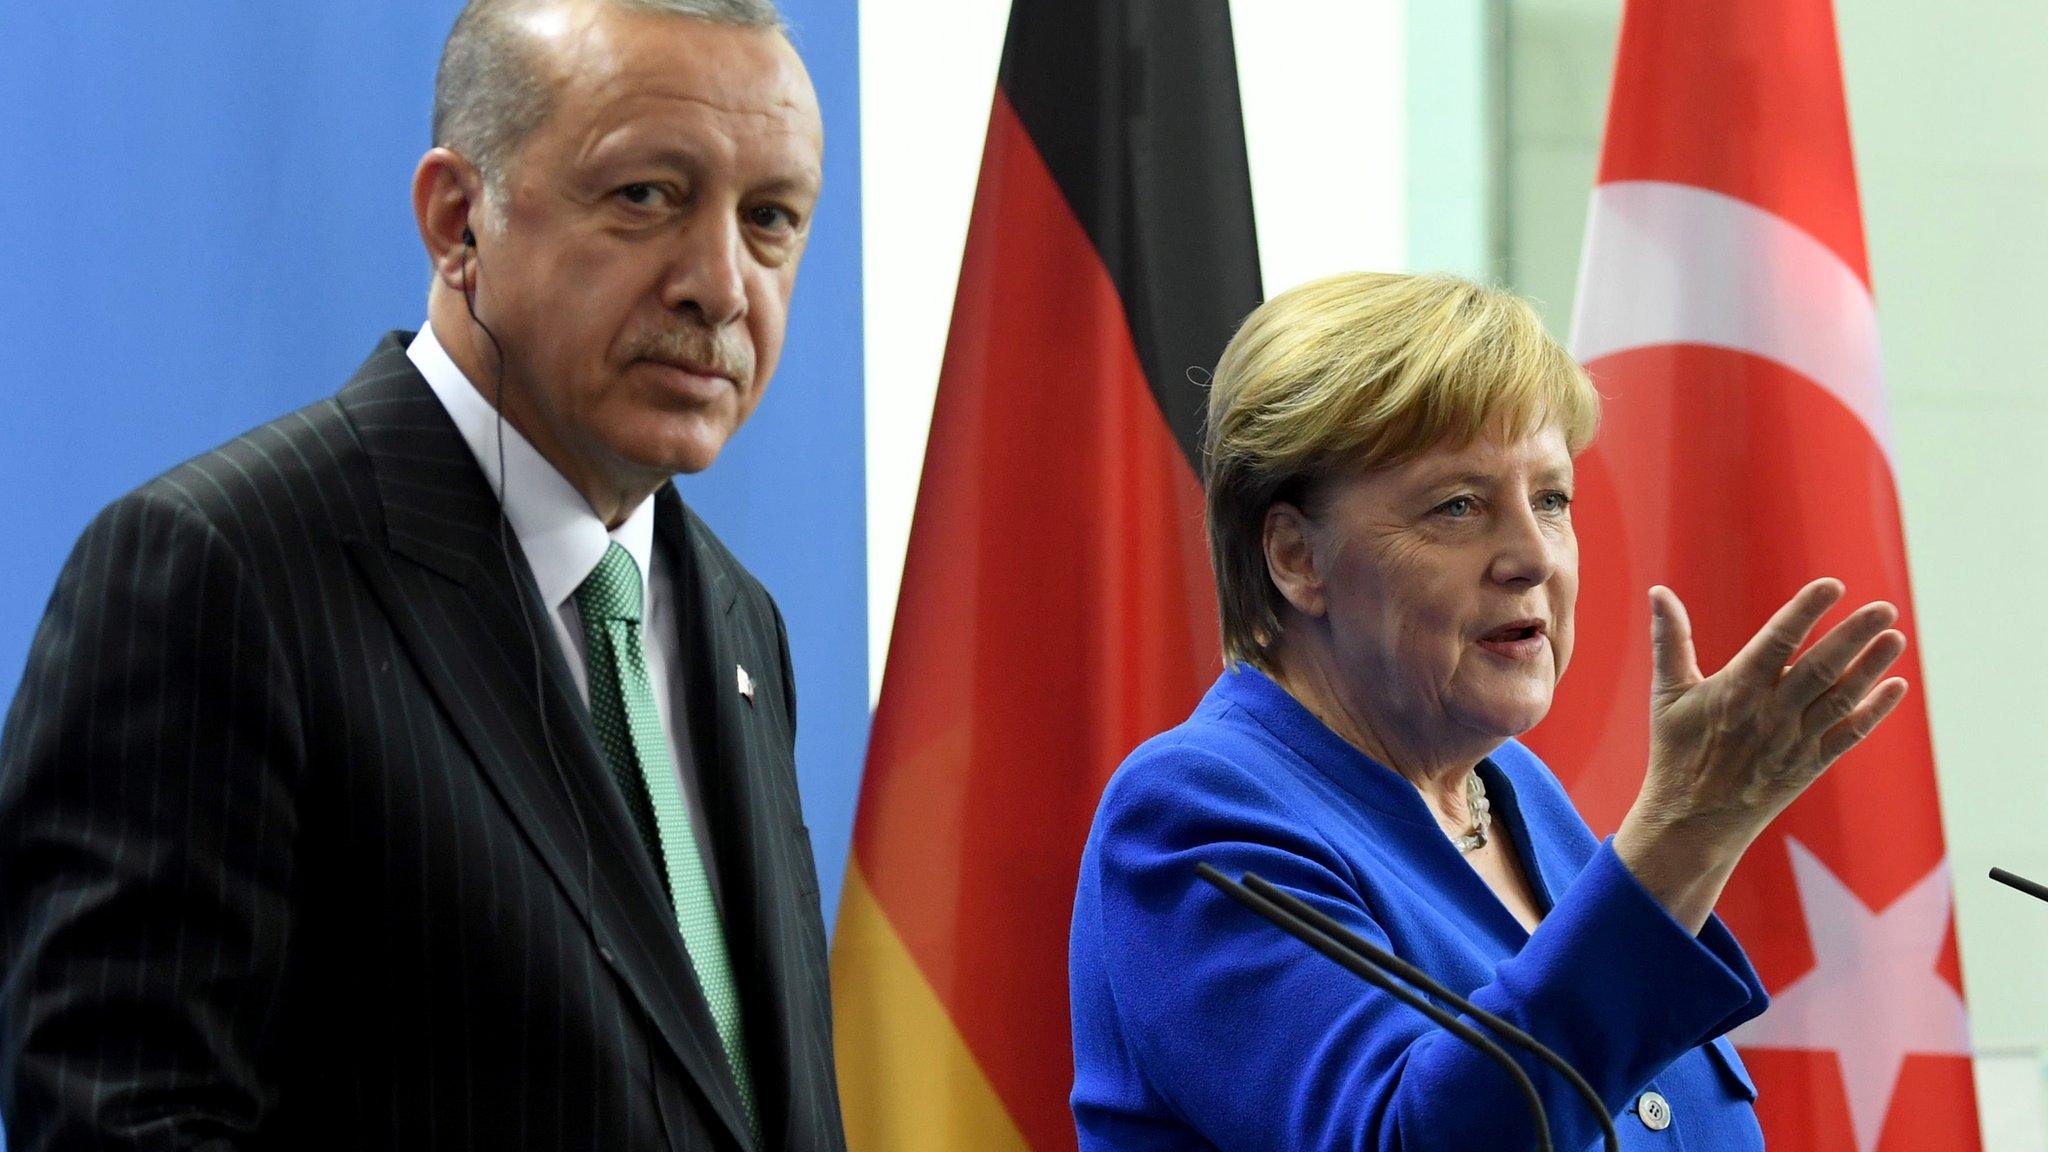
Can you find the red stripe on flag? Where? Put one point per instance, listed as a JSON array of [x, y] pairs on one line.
[[1742, 97], [1056, 610]]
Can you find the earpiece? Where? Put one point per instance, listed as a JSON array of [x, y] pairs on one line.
[[533, 640]]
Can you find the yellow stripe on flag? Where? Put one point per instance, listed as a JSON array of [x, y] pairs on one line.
[[907, 1081]]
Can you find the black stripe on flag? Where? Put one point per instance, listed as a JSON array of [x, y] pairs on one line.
[[1134, 106]]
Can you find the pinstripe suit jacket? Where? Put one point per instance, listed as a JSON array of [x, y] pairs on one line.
[[286, 860]]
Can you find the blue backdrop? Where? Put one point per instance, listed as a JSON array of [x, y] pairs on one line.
[[204, 223]]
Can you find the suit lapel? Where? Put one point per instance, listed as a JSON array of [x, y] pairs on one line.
[[473, 623], [748, 779]]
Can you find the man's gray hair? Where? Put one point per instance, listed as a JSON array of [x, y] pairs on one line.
[[491, 91]]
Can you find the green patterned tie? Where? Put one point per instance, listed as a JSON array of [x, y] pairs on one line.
[[629, 727]]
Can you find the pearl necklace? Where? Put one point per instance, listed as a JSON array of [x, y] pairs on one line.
[[1482, 818]]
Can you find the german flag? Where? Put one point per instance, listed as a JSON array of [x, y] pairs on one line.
[[1057, 606]]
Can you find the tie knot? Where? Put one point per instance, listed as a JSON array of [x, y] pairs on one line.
[[612, 590]]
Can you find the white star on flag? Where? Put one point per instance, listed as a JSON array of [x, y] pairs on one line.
[[1873, 995]]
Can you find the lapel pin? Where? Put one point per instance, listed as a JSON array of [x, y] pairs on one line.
[[746, 682]]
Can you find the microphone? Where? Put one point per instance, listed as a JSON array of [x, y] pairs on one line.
[[1358, 965], [1382, 958], [2037, 891]]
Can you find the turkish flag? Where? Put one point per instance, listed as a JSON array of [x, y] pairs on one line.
[[1725, 312], [1057, 607]]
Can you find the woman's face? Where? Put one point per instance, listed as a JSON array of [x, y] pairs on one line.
[[1447, 586]]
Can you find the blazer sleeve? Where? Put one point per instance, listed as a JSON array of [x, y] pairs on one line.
[[147, 819], [1261, 1043]]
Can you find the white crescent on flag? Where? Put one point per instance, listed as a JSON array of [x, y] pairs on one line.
[[1673, 264]]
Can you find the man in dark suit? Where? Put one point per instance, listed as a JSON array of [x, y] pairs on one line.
[[416, 770]]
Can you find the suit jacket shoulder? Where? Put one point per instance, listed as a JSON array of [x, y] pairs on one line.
[[304, 471]]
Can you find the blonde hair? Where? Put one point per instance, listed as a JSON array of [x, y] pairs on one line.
[[1356, 372]]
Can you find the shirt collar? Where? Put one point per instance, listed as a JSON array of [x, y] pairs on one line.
[[562, 538]]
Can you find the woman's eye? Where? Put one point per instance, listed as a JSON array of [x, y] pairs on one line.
[[1458, 507], [1554, 502]]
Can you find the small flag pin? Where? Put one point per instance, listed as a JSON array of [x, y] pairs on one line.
[[746, 682]]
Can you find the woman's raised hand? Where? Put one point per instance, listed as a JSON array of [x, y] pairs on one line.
[[1728, 752]]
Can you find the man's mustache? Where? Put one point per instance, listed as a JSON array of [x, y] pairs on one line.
[[721, 352]]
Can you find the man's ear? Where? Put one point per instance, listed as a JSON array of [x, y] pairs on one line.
[[1291, 560], [447, 201]]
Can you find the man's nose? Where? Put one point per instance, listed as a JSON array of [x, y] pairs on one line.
[[708, 274]]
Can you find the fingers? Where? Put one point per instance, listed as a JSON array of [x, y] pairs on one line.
[[1818, 672], [1761, 660], [1863, 720], [1855, 683], [1675, 665]]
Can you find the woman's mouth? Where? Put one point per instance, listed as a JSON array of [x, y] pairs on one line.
[[1520, 640]]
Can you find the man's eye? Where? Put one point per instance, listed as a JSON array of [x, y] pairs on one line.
[[640, 195], [771, 217]]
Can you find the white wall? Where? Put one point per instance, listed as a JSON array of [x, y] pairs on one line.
[[927, 76], [1324, 85]]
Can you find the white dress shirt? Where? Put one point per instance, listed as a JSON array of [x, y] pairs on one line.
[[563, 540]]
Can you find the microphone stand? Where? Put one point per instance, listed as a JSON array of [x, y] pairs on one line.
[[1420, 979], [1358, 965], [1373, 963]]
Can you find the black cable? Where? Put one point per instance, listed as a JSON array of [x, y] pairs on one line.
[[525, 612], [1364, 969], [1416, 976]]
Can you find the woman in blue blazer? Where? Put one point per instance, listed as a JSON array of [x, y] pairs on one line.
[[1389, 477]]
